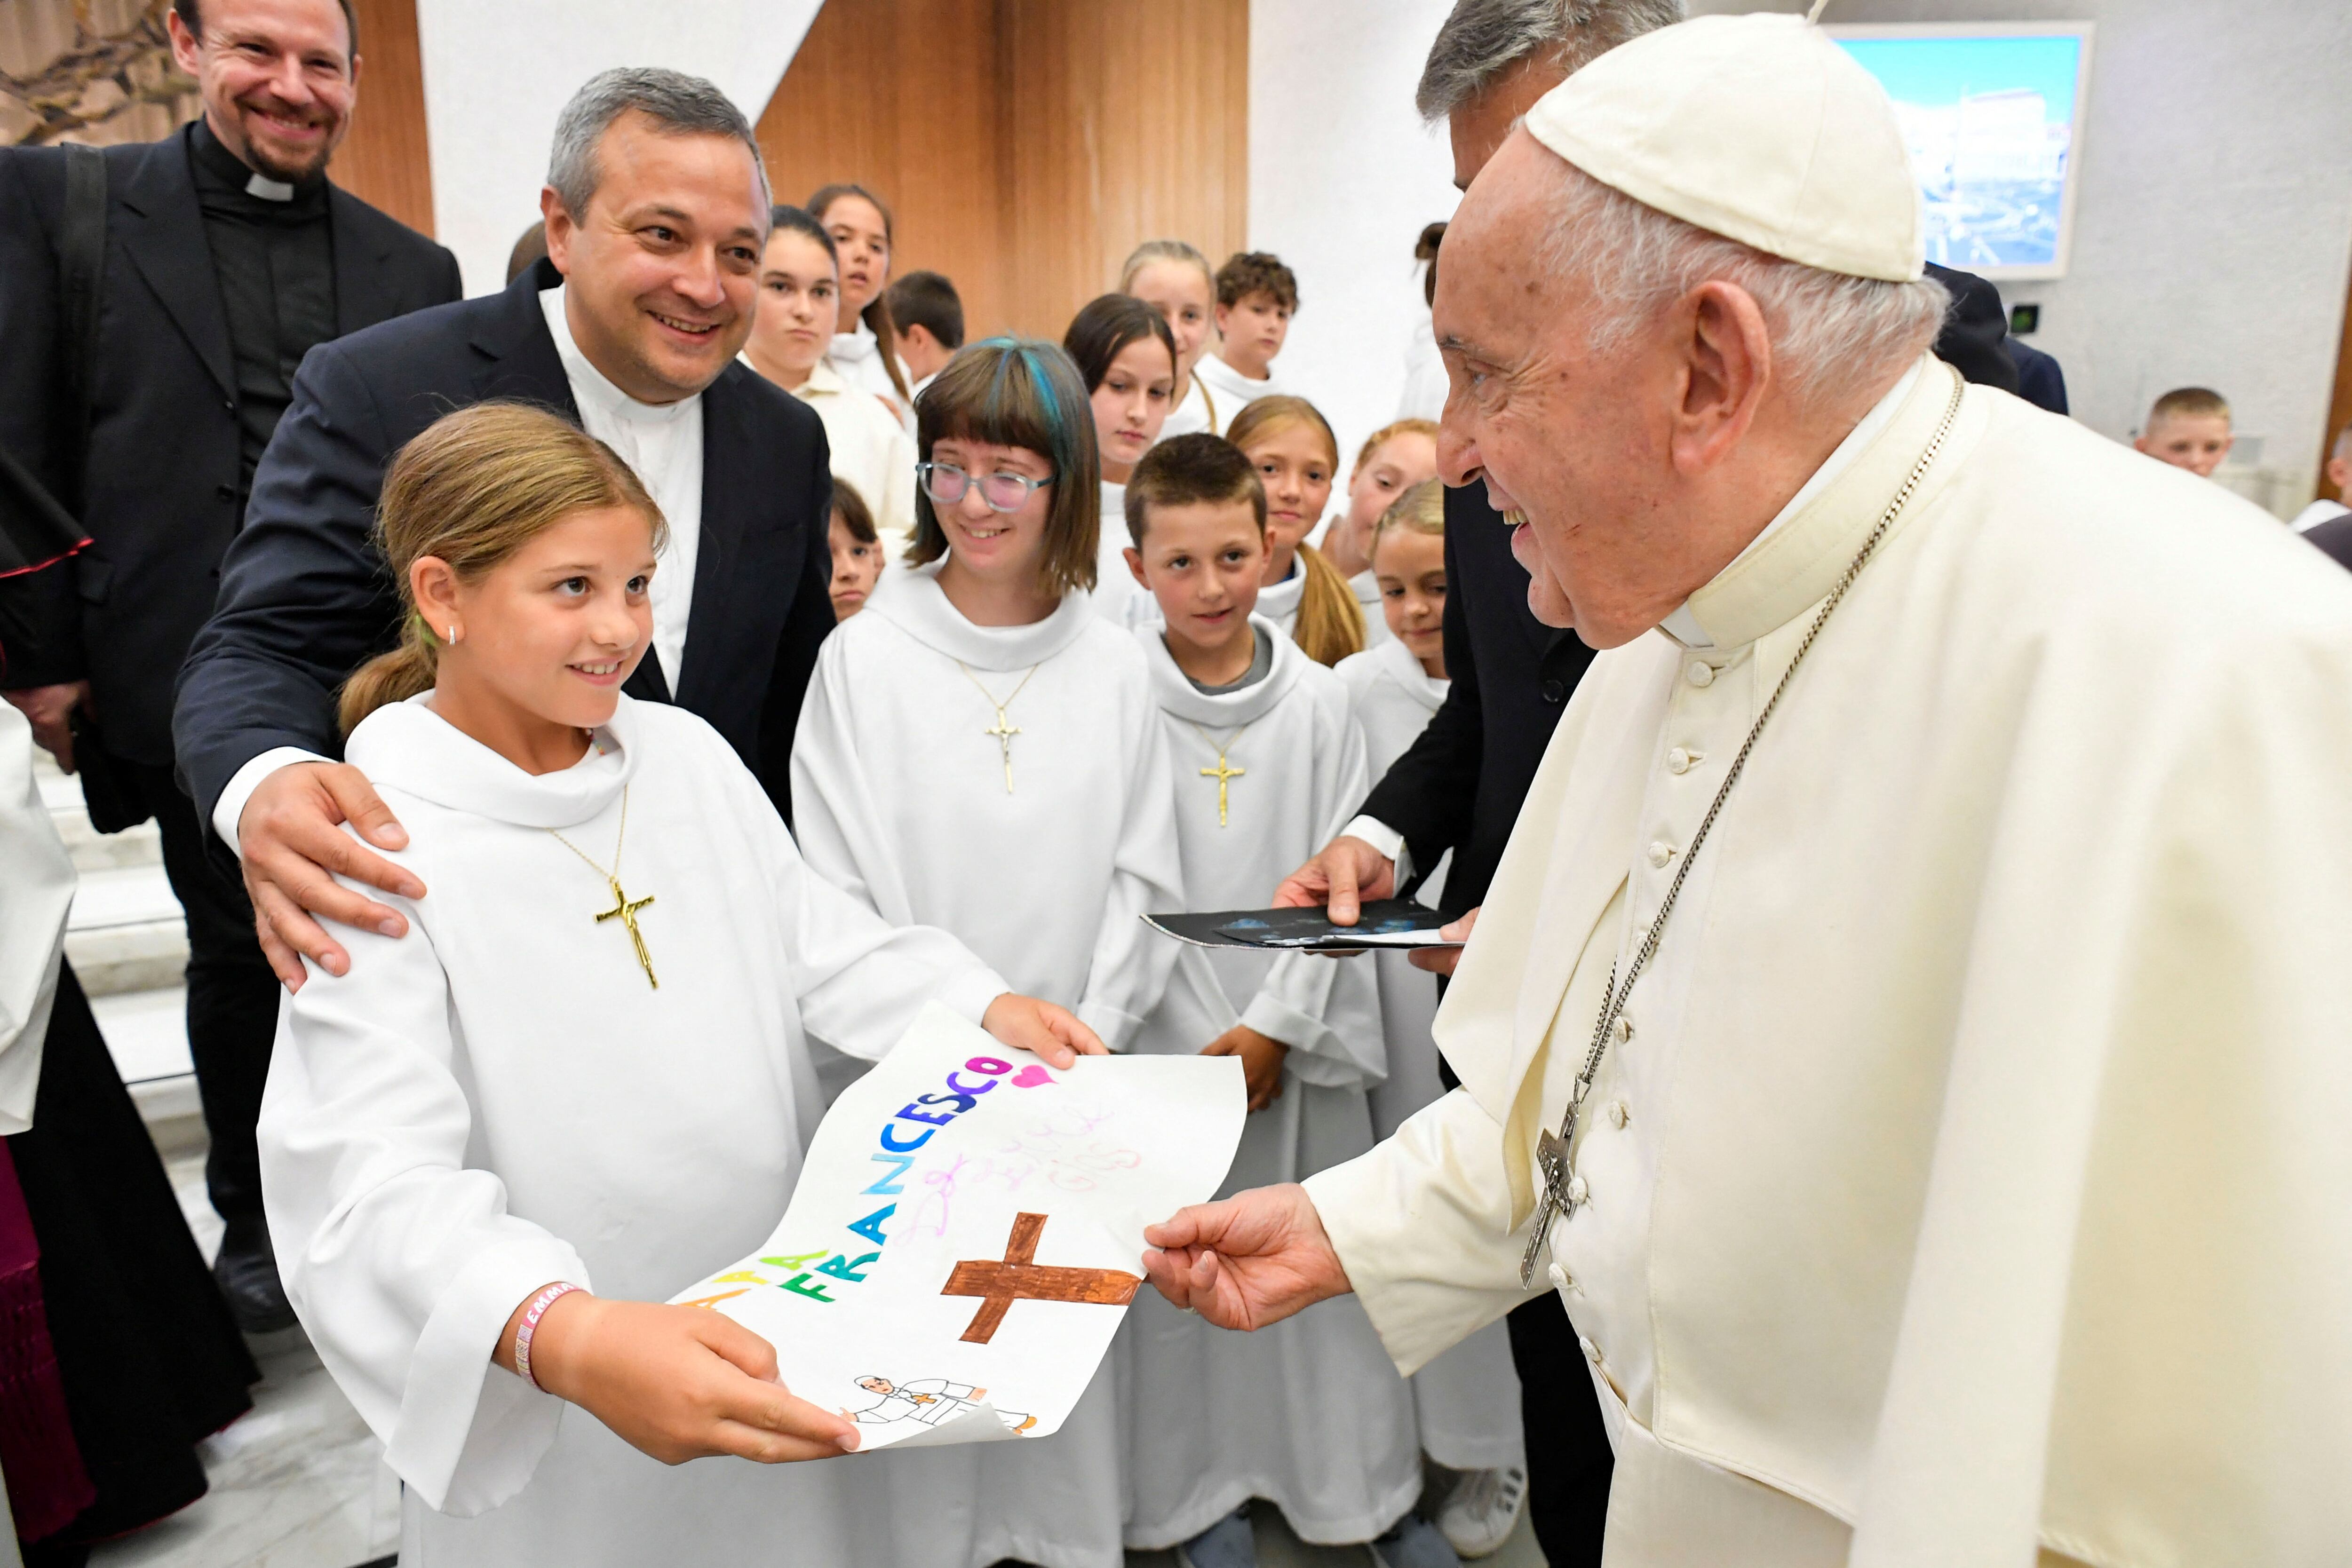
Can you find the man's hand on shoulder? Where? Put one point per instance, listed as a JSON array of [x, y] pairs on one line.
[[291, 836], [1348, 871]]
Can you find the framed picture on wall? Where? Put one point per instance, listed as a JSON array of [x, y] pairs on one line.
[[1992, 113]]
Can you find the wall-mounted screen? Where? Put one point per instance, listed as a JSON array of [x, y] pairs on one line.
[[1993, 116]]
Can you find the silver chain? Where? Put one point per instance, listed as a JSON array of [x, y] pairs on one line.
[[1560, 1168]]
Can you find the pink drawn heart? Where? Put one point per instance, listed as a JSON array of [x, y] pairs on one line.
[[1031, 1076]]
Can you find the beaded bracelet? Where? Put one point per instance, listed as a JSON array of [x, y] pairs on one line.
[[530, 1316]]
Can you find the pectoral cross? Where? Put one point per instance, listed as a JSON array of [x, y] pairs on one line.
[[1004, 730], [1223, 774], [625, 910], [1000, 1283], [1553, 1202]]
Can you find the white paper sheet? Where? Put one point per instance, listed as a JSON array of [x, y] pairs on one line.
[[917, 1183]]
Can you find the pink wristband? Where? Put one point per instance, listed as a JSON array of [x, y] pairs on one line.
[[529, 1325]]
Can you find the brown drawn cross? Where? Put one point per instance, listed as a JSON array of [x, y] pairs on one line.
[[1015, 1279]]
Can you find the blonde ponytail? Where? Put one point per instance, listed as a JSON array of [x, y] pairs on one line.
[[389, 678], [1330, 623], [470, 489]]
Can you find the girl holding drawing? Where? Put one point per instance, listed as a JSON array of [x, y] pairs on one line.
[[582, 1077]]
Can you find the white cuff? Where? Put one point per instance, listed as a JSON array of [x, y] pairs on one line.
[[1386, 839], [229, 809]]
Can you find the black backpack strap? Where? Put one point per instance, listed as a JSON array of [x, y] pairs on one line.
[[81, 265]]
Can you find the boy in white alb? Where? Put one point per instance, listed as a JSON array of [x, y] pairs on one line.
[[1467, 1400], [1267, 763], [979, 752], [1257, 297]]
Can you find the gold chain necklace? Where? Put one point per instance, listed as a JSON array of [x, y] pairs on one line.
[[1563, 1191], [1003, 729], [1223, 773], [625, 909]]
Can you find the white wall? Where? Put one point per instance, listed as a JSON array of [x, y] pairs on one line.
[[2213, 230], [496, 73], [1343, 175]]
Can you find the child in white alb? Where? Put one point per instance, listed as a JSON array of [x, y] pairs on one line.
[[585, 1065], [1268, 764], [979, 751], [1257, 297]]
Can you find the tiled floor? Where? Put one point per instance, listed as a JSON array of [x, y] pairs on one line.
[[301, 1483]]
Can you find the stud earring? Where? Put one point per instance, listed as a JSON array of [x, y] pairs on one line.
[[453, 633]]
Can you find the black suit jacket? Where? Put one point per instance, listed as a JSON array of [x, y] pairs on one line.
[[305, 600], [1460, 785], [156, 484], [2335, 537]]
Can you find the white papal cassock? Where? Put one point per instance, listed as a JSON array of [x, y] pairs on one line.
[[900, 797], [1306, 1413], [499, 1100], [1971, 1181]]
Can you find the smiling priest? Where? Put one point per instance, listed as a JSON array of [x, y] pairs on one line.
[[1908, 1028]]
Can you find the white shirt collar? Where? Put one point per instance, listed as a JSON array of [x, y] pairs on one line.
[[1682, 625], [590, 385]]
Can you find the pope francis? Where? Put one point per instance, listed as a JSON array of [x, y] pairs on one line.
[[1909, 1027]]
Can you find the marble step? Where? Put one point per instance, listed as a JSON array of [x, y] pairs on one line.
[[147, 1034], [125, 932]]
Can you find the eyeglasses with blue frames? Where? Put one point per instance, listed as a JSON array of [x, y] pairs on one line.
[[945, 483]]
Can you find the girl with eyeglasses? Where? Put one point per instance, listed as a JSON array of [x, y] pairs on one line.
[[980, 751]]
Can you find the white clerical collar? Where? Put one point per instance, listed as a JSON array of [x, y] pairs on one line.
[[1424, 687], [592, 386], [406, 746], [269, 190], [1177, 694], [861, 344], [1682, 625], [912, 601]]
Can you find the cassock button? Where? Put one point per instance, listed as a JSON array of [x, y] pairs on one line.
[[1700, 673], [1618, 1114], [1553, 691], [1621, 1030], [1559, 1277], [1576, 1191], [1680, 758], [1660, 853], [1592, 1351]]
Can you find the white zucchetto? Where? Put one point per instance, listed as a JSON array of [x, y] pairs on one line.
[[1758, 128]]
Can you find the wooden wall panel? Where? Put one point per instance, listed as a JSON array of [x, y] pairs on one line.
[[1129, 121], [1025, 146], [899, 96], [385, 159]]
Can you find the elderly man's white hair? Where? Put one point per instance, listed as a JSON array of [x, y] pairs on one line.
[[1829, 330], [1482, 39]]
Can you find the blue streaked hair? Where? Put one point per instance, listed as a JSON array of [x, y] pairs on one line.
[[1026, 392]]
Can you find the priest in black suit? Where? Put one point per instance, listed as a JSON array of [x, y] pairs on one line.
[[154, 301], [656, 211]]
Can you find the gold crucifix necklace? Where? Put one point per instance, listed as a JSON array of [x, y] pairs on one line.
[[1563, 1189], [1003, 729], [625, 908], [1224, 773]]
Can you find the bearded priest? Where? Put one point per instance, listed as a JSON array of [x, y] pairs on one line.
[[1908, 1028]]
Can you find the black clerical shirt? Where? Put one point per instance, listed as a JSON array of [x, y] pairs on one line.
[[275, 261]]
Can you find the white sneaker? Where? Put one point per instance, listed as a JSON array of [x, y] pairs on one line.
[[1483, 1511]]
